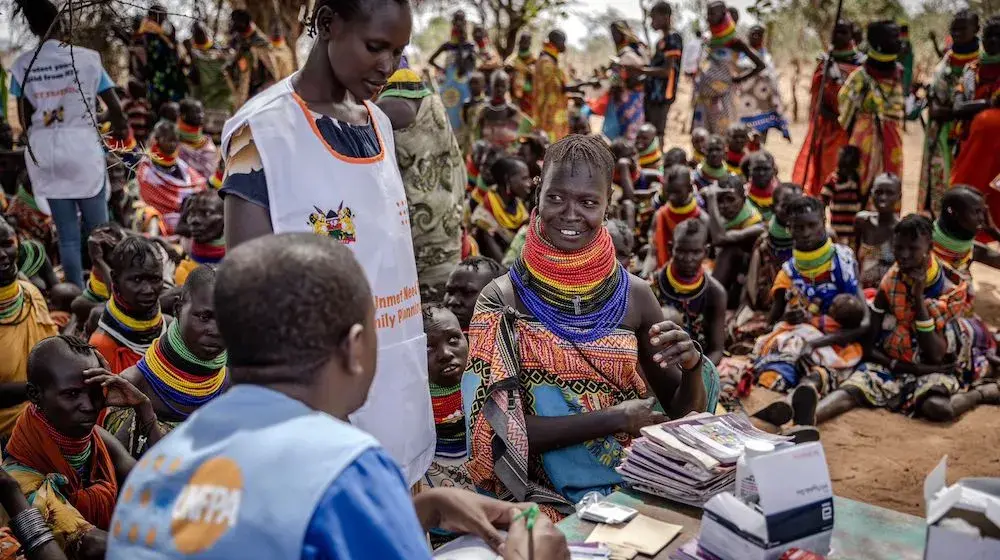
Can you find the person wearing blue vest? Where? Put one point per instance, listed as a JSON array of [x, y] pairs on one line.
[[272, 469]]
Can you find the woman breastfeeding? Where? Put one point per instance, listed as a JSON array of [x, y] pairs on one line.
[[553, 391]]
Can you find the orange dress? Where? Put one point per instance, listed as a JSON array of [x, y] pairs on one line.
[[978, 161], [119, 357]]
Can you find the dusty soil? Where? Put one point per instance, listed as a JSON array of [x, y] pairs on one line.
[[876, 456]]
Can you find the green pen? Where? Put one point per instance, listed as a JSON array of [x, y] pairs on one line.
[[530, 515]]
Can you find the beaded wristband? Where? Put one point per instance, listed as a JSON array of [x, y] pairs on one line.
[[924, 325]]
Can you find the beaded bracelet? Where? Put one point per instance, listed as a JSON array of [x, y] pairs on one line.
[[924, 326], [30, 529]]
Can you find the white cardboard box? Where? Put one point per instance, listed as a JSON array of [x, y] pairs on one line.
[[796, 509], [963, 520]]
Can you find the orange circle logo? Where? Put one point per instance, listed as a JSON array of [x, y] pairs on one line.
[[208, 506]]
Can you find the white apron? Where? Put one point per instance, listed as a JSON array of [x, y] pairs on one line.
[[360, 202], [69, 152]]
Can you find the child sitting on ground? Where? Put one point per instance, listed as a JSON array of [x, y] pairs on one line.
[[735, 225], [713, 168], [873, 233], [841, 194], [699, 143], [497, 220], [681, 205], [674, 156], [762, 181], [650, 152], [737, 138]]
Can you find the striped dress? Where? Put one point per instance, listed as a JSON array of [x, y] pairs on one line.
[[843, 197]]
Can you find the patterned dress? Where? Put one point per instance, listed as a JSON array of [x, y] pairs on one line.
[[518, 368], [871, 111], [968, 340], [551, 107], [940, 140], [430, 162]]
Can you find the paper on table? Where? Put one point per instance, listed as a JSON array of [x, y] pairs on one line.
[[644, 534]]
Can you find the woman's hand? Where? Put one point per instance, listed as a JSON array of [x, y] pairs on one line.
[[636, 414], [462, 511], [546, 541], [673, 346], [117, 390]]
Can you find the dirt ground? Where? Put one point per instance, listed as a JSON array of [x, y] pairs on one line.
[[876, 456]]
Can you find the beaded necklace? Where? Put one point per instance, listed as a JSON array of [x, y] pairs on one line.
[[957, 253], [985, 58], [723, 33], [449, 421], [934, 273], [733, 160], [881, 57], [136, 333], [208, 253], [216, 179], [762, 197], [687, 295], [652, 156], [11, 302], [846, 55], [716, 173], [580, 296], [960, 55], [30, 257], [507, 220], [157, 156], [747, 217], [816, 263], [551, 50], [191, 135], [97, 290], [177, 376], [76, 451]]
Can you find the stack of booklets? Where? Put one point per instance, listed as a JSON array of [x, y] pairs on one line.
[[691, 459]]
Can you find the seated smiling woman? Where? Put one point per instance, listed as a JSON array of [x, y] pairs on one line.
[[553, 393]]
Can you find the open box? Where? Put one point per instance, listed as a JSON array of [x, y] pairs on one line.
[[963, 520]]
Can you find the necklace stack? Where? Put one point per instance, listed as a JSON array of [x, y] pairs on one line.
[[30, 257], [208, 253], [137, 333], [961, 55], [505, 219], [180, 378], [449, 421], [723, 33], [97, 290], [956, 253], [677, 214], [551, 50], [747, 217], [191, 135], [762, 197], [76, 451], [11, 302], [652, 157], [686, 295], [814, 264], [158, 157], [580, 296]]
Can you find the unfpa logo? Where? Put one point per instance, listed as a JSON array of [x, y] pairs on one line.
[[208, 506]]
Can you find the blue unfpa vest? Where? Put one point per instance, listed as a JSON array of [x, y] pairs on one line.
[[240, 478]]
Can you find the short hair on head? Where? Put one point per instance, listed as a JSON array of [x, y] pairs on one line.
[[476, 74], [662, 8], [805, 205], [955, 196], [63, 345], [622, 147], [348, 10], [498, 75], [715, 138], [40, 15], [733, 183], [676, 171], [134, 250], [200, 278], [914, 226], [581, 149], [992, 23], [503, 167], [621, 229], [165, 127], [254, 301], [428, 310], [888, 177], [967, 14], [690, 226], [556, 35], [676, 153], [480, 262]]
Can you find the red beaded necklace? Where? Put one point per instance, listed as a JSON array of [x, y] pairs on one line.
[[585, 268]]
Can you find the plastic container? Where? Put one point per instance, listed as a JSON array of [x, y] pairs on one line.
[[746, 486]]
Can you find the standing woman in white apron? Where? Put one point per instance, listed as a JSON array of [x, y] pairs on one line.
[[311, 153], [66, 160]]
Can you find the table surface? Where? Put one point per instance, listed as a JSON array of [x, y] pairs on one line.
[[861, 531]]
